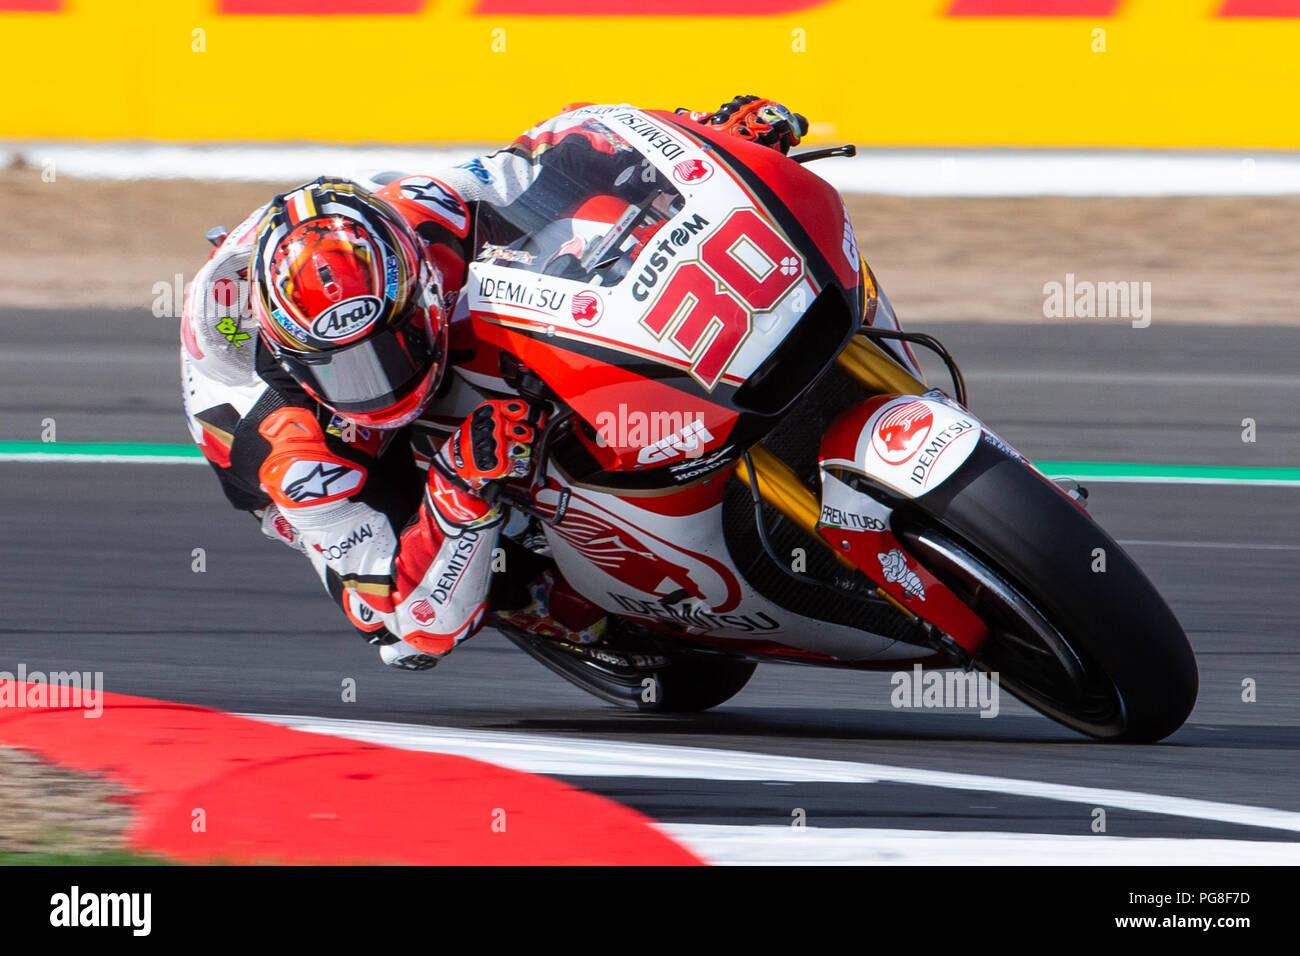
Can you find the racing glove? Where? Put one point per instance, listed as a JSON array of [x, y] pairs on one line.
[[756, 119], [493, 444]]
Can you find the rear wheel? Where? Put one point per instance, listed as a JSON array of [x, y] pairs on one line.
[[649, 678], [1078, 632]]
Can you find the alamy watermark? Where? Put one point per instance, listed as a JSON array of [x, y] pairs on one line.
[[1085, 299], [947, 690], [661, 436], [77, 908], [221, 298], [74, 690]]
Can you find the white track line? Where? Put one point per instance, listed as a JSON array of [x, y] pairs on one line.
[[1229, 545], [574, 757], [1086, 479], [902, 172], [1190, 378], [242, 163], [822, 846]]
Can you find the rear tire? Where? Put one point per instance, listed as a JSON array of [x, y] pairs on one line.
[[697, 683], [659, 681], [1035, 540]]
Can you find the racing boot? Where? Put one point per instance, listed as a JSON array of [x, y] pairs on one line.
[[404, 657], [555, 610], [396, 653]]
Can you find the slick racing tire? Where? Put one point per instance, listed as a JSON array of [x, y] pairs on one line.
[[655, 682], [1078, 632]]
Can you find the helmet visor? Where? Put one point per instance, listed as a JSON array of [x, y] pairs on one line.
[[374, 374]]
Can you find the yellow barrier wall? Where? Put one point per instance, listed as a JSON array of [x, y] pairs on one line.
[[1173, 72]]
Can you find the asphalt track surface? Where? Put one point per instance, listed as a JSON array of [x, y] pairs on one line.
[[97, 576]]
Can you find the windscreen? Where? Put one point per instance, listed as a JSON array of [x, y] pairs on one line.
[[590, 206]]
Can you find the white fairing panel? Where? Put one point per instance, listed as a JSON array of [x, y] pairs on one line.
[[642, 564], [913, 444], [716, 234]]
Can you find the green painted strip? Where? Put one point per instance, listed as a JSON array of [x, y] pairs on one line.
[[162, 453], [59, 449], [1119, 471]]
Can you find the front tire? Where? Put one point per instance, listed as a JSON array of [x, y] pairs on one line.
[[1097, 650]]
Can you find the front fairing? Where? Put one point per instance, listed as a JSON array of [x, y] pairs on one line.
[[664, 280]]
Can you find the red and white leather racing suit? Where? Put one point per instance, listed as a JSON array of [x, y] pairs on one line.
[[409, 560]]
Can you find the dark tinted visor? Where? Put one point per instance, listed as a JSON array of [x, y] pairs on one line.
[[372, 374]]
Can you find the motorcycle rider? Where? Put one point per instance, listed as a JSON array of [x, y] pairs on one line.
[[305, 417]]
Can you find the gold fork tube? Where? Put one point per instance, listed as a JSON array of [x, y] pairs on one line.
[[876, 371], [781, 488]]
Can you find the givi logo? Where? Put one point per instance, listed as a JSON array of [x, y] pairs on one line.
[[899, 434]]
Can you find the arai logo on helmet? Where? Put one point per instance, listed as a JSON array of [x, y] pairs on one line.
[[348, 320]]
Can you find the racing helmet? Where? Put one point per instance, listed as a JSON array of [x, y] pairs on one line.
[[348, 303]]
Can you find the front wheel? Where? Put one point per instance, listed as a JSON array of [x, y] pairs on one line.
[[1077, 631]]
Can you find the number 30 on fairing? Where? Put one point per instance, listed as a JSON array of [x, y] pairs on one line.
[[709, 303]]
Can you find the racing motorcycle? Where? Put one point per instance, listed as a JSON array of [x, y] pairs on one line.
[[741, 461]]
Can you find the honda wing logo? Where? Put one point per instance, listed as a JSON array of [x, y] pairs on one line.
[[901, 432]]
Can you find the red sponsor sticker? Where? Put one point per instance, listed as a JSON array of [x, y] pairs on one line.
[[586, 308], [226, 293], [900, 433], [285, 530], [423, 612], [692, 171]]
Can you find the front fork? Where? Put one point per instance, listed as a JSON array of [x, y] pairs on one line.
[[856, 526]]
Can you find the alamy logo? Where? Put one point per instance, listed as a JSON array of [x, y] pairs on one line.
[[958, 690], [659, 436], [1084, 299], [75, 690], [75, 908]]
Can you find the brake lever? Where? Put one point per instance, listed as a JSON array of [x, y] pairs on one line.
[[560, 421], [813, 154]]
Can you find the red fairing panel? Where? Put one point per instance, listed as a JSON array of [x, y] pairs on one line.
[[596, 389], [880, 556], [910, 443], [888, 438]]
